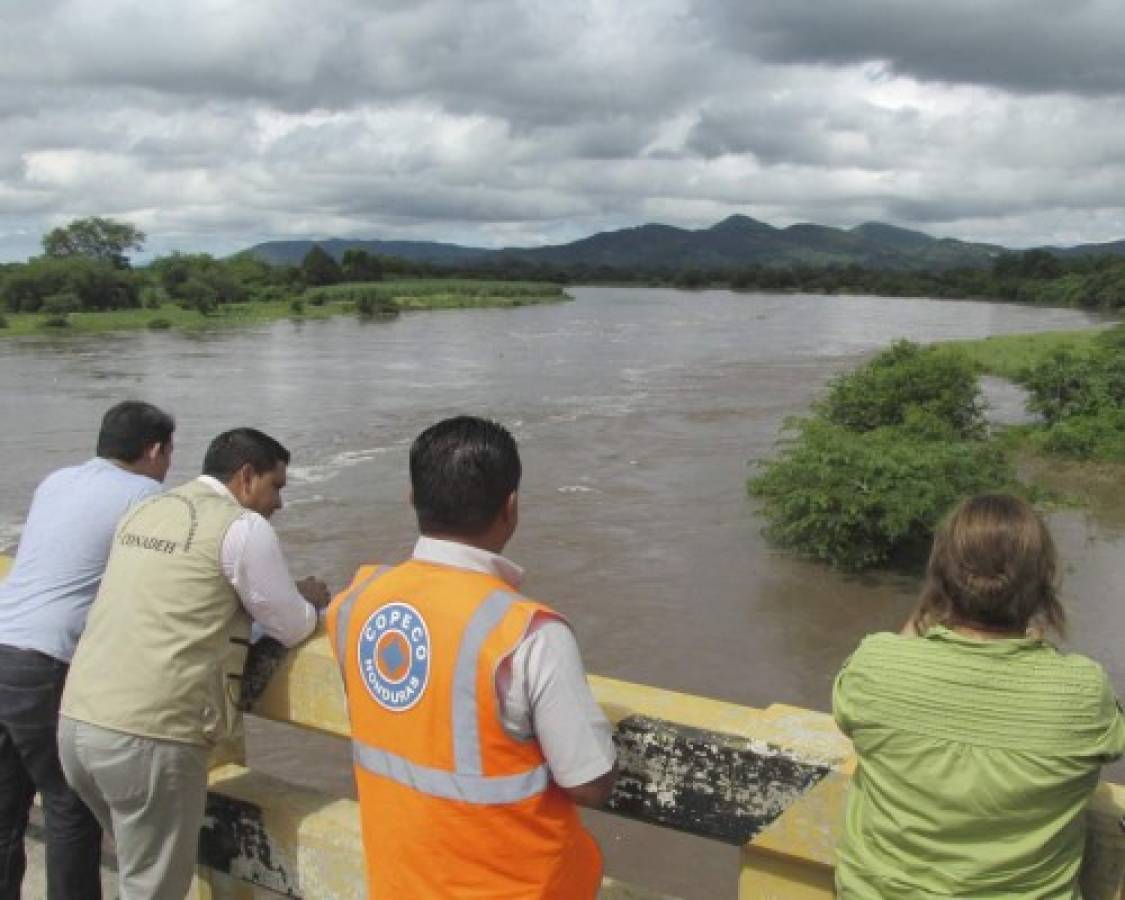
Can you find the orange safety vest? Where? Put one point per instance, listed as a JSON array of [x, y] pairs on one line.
[[451, 805]]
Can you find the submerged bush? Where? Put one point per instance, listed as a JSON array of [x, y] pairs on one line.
[[1070, 384], [862, 499], [1087, 437], [1081, 399], [905, 378]]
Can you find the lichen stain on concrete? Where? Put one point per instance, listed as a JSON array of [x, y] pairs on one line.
[[716, 785], [262, 662], [234, 840]]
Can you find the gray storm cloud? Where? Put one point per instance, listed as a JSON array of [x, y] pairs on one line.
[[220, 123]]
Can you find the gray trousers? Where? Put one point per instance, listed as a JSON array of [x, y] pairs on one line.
[[149, 795]]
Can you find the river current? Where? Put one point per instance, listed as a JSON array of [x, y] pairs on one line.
[[639, 414]]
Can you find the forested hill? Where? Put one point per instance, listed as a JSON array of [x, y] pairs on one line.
[[735, 242], [292, 252]]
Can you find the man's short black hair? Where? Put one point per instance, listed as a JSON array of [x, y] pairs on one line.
[[233, 449], [462, 471], [130, 428]]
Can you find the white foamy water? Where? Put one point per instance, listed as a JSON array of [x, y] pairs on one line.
[[321, 472]]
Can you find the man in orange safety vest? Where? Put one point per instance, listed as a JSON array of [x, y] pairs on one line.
[[474, 731]]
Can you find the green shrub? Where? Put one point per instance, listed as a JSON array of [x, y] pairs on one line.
[[1087, 437], [862, 499], [370, 303], [159, 324], [903, 378], [3, 321], [297, 307], [1070, 384], [1112, 339], [270, 294], [62, 303], [56, 321], [152, 297]]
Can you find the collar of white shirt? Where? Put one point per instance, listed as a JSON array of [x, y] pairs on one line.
[[217, 486], [473, 559]]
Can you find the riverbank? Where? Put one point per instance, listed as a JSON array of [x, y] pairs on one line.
[[383, 297], [1094, 484], [1006, 355]]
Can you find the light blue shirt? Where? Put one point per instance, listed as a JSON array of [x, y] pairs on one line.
[[62, 554]]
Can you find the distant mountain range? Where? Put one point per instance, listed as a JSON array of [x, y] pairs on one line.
[[735, 242]]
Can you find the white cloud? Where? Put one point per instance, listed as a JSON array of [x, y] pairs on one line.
[[219, 123]]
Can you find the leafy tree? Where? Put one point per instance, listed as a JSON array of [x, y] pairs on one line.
[[319, 268], [905, 378], [102, 239], [1070, 384], [199, 281], [857, 500], [359, 265], [95, 284]]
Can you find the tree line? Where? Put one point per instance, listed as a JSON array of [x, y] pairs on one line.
[[85, 266]]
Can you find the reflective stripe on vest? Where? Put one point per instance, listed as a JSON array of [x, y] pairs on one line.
[[466, 782], [345, 614], [484, 789]]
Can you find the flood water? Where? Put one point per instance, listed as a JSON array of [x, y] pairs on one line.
[[639, 414]]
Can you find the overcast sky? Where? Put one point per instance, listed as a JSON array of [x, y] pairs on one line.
[[216, 124]]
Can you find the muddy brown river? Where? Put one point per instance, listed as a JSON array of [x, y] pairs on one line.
[[639, 414]]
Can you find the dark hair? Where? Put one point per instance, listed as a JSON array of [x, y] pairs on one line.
[[462, 471], [993, 564], [233, 449], [130, 428]]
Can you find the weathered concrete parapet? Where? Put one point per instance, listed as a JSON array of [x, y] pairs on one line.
[[772, 781]]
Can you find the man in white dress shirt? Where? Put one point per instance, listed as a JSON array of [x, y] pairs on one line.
[[154, 683]]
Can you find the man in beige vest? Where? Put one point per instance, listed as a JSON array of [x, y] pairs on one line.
[[154, 681]]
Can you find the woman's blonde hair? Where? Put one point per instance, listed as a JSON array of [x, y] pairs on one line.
[[993, 564]]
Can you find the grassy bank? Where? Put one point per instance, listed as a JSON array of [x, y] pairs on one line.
[[317, 303], [1008, 355], [442, 293], [1076, 389]]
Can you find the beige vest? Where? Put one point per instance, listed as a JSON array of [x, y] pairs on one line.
[[166, 639]]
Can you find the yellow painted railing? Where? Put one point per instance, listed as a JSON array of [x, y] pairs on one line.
[[264, 837], [791, 857]]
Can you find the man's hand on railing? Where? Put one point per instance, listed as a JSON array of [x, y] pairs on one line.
[[315, 591]]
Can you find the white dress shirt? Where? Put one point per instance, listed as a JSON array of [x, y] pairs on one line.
[[254, 565], [543, 693]]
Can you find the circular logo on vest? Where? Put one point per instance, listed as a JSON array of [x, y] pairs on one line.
[[394, 656]]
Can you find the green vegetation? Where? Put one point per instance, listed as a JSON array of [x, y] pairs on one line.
[[902, 382], [103, 240], [858, 500], [1007, 355], [864, 482], [444, 293], [1076, 389], [895, 443], [168, 316], [1034, 277], [83, 283]]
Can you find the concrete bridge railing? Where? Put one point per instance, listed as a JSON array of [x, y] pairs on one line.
[[771, 781]]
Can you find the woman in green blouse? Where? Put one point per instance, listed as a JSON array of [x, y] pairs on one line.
[[978, 743]]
